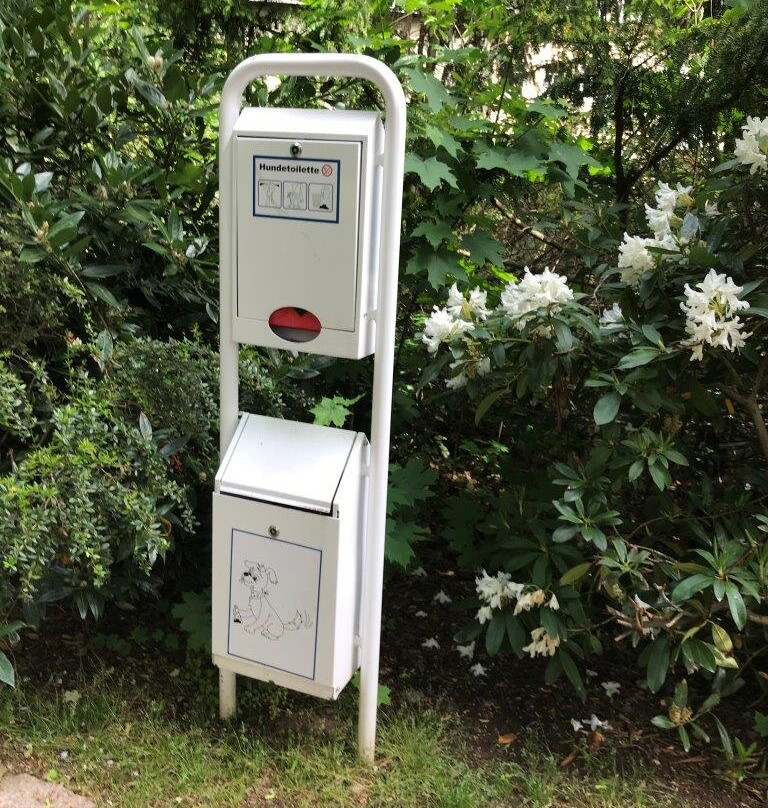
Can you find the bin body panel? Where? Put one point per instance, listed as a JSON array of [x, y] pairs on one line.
[[307, 225], [286, 585], [291, 252]]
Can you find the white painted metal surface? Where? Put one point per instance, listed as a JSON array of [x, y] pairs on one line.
[[387, 247], [307, 223], [285, 462], [286, 581]]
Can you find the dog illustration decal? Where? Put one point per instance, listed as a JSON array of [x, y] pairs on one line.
[[260, 615]]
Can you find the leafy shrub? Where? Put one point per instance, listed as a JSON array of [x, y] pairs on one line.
[[641, 499], [89, 513]]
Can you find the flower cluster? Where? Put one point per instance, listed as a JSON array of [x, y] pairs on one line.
[[710, 314], [635, 257], [542, 643], [752, 148], [441, 326], [522, 301], [497, 591], [448, 324]]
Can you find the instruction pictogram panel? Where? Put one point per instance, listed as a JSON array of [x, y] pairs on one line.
[[300, 188]]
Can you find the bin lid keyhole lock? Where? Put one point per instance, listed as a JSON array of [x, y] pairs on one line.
[[295, 149]]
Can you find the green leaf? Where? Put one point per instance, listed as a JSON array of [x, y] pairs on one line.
[[575, 574], [487, 403], [606, 408], [194, 614], [430, 86], [761, 724], [690, 586], [515, 163], [430, 171], [700, 654], [434, 232], [409, 483], [7, 675], [401, 536], [483, 249], [438, 264], [495, 634], [572, 672], [442, 139], [572, 157], [660, 476], [637, 357], [663, 722], [721, 639], [103, 270], [658, 663], [333, 411], [102, 293], [736, 604], [145, 427]]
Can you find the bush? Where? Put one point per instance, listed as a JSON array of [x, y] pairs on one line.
[[87, 514], [631, 398]]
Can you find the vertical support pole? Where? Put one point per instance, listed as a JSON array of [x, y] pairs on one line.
[[386, 311], [328, 65], [228, 348]]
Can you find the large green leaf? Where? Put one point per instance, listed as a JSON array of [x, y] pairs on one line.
[[516, 163], [658, 663], [572, 157], [430, 171], [606, 408]]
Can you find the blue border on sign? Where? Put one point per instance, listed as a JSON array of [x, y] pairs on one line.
[[294, 159], [317, 613]]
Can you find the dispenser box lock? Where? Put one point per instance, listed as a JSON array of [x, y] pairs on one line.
[[307, 200], [288, 527]]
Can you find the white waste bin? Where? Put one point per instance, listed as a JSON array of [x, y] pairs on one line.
[[288, 527]]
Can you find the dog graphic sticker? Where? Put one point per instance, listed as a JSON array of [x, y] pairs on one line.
[[260, 615]]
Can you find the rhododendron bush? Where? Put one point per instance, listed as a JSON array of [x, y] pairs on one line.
[[633, 504]]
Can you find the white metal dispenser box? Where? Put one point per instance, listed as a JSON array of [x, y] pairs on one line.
[[288, 523], [307, 187]]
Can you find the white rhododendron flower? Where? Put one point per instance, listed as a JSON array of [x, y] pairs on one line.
[[595, 723], [611, 688], [553, 603], [752, 148], [667, 199], [542, 643], [441, 597], [658, 221], [634, 258], [431, 643], [419, 572], [457, 382], [530, 599], [478, 670], [465, 308], [484, 614], [711, 210], [612, 317], [442, 326], [710, 314], [576, 724], [497, 589], [466, 651], [547, 290]]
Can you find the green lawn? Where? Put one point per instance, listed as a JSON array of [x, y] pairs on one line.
[[137, 745]]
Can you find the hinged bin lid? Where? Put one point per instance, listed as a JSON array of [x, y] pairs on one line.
[[285, 462]]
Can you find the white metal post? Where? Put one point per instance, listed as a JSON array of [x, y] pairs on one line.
[[328, 65]]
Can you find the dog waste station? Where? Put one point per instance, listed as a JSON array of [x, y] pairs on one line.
[[309, 216]]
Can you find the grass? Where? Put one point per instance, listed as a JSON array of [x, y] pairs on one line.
[[132, 744]]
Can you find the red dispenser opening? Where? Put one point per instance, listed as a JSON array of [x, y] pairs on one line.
[[294, 324]]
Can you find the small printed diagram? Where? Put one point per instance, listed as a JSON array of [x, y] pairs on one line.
[[321, 196], [260, 616], [295, 195], [270, 194]]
